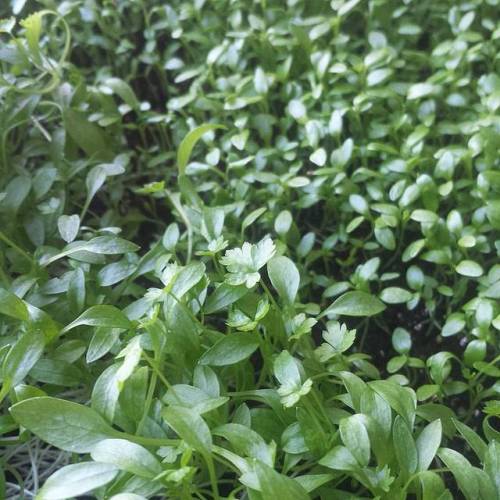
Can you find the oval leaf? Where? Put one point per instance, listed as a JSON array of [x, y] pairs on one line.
[[63, 424], [127, 456], [68, 226], [231, 349], [356, 304], [285, 277], [76, 479], [109, 316]]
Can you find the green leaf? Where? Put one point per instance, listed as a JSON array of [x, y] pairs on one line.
[[190, 427], [187, 278], [454, 324], [401, 340], [401, 399], [101, 343], [355, 437], [13, 306], [124, 90], [355, 386], [404, 446], [432, 486], [77, 291], [76, 479], [68, 226], [20, 359], [88, 136], [102, 316], [7, 25], [17, 6], [33, 26], [15, 193], [340, 458], [56, 372], [244, 263], [355, 304], [285, 277], [187, 144], [101, 245], [127, 456], [193, 398], [419, 90], [395, 295], [109, 245], [276, 485], [359, 204], [231, 349], [246, 442], [428, 443], [412, 250], [224, 296], [463, 472], [318, 157], [492, 464], [469, 268], [297, 109], [252, 217], [106, 392], [63, 424], [338, 337], [283, 222], [115, 272], [473, 439]]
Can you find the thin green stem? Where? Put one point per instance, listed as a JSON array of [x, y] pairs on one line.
[[213, 476], [17, 248], [155, 442], [157, 370]]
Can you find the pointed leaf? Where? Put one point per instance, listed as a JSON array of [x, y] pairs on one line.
[[463, 472], [76, 479], [103, 315], [231, 349], [190, 427], [187, 144], [404, 446], [356, 304], [127, 456], [63, 424], [11, 305], [276, 485]]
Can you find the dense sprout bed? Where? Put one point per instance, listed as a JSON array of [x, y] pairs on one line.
[[249, 249]]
